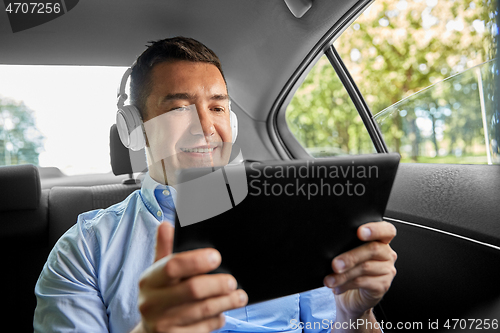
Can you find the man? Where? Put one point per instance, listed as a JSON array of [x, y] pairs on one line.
[[107, 274]]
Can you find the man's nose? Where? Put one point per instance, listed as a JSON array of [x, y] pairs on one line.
[[203, 123]]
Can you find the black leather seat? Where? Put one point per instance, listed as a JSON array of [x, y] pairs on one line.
[[32, 220], [24, 242], [66, 203]]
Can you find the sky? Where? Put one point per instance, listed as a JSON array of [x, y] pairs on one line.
[[74, 106]]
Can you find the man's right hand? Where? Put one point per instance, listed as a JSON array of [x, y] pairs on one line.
[[175, 294]]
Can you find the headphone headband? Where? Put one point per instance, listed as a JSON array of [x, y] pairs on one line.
[[120, 94]]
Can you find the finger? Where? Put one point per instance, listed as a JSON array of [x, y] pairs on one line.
[[190, 313], [190, 263], [373, 287], [367, 268], [173, 268], [365, 252], [380, 231], [154, 302], [164, 240], [205, 286]]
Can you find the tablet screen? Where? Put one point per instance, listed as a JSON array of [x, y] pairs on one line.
[[268, 219]]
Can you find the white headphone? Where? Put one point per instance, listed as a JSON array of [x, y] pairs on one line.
[[129, 121]]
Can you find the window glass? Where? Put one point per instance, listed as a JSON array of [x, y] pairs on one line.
[[398, 48], [58, 116], [323, 118], [450, 121]]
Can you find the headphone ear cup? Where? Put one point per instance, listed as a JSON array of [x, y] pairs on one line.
[[234, 125], [129, 125]]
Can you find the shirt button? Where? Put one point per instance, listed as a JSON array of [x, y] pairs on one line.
[[166, 192], [158, 213]]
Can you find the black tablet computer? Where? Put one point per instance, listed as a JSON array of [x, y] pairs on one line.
[[279, 224]]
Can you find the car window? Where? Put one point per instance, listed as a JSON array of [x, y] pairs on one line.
[[396, 49], [450, 121], [58, 116], [323, 118]]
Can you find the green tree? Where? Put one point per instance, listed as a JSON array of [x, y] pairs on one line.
[[405, 46], [393, 50], [20, 140], [322, 116]]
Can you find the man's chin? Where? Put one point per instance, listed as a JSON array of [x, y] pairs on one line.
[[170, 167]]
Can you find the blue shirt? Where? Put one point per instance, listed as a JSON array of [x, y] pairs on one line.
[[90, 280]]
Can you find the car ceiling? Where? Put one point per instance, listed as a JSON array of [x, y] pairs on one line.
[[260, 43]]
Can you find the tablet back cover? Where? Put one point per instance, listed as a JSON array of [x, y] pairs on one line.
[[296, 217]]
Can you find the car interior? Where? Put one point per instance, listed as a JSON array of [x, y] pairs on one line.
[[448, 240]]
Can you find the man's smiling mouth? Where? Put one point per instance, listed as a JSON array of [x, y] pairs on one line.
[[198, 150]]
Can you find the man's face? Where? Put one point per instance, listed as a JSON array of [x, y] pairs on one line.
[[186, 118]]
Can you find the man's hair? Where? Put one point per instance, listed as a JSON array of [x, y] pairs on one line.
[[169, 49]]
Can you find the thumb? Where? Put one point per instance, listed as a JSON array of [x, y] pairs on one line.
[[164, 240]]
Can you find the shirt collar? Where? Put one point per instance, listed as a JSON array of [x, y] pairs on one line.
[[149, 185]]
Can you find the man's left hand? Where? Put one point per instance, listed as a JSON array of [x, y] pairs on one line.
[[363, 275]]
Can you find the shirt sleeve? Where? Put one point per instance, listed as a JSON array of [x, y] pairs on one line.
[[67, 291], [317, 310]]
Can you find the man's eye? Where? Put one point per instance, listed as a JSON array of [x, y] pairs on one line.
[[218, 109], [182, 108]]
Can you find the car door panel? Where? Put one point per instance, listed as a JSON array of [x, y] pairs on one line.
[[461, 199], [447, 244]]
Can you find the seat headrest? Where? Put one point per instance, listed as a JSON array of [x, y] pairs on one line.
[[123, 160], [20, 187]]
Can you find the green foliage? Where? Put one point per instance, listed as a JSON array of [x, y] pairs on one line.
[[20, 140], [393, 50], [323, 117], [446, 118]]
